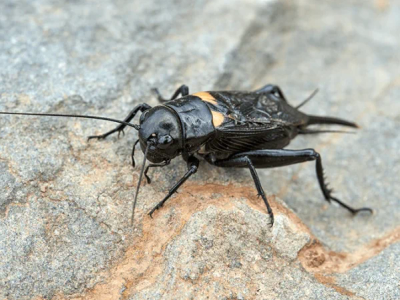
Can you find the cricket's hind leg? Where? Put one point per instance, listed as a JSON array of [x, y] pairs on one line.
[[279, 158], [183, 90], [242, 161], [120, 128]]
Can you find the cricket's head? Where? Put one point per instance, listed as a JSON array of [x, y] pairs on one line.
[[161, 130]]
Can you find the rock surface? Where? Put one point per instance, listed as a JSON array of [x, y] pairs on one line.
[[65, 203]]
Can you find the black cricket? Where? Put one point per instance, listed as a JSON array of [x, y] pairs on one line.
[[229, 129]]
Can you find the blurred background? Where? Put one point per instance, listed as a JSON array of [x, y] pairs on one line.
[[65, 203]]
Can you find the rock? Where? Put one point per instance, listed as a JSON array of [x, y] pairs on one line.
[[376, 278], [66, 203]]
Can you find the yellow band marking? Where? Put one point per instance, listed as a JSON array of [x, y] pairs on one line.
[[207, 97], [217, 118]]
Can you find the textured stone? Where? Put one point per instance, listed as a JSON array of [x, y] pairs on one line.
[[376, 278], [65, 203]]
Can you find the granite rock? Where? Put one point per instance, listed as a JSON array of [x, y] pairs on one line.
[[65, 203]]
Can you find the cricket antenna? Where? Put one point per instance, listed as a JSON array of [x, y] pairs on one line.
[[149, 143], [137, 127]]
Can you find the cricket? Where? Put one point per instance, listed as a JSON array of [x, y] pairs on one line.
[[228, 129]]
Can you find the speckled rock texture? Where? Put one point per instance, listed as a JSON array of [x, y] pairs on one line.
[[65, 203]]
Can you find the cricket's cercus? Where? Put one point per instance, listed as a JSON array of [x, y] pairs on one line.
[[229, 129]]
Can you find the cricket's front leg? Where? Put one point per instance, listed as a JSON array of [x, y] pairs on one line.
[[270, 158], [193, 164]]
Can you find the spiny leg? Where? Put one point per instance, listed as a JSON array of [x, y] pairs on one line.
[[328, 192], [159, 165], [182, 90], [120, 128], [282, 157], [193, 164]]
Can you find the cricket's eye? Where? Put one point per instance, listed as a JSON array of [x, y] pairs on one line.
[[164, 141]]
